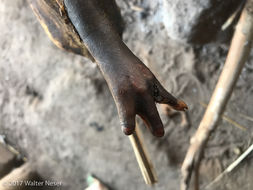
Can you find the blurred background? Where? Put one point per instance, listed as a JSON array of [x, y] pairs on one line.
[[56, 111]]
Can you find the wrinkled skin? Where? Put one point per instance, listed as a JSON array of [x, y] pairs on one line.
[[134, 87]]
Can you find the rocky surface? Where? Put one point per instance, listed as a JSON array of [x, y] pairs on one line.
[[55, 107]]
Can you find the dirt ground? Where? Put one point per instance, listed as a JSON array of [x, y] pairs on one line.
[[56, 109]]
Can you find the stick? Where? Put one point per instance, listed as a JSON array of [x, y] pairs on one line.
[[226, 118], [142, 157], [246, 117], [238, 53], [231, 166]]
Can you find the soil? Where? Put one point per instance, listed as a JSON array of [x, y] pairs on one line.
[[56, 109]]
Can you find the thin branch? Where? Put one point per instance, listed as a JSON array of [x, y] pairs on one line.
[[142, 157], [226, 118], [231, 167], [237, 56]]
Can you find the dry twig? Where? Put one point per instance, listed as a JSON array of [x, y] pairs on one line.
[[231, 166], [246, 117], [142, 157], [226, 118], [238, 53]]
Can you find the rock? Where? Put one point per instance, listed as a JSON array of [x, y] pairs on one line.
[[196, 21]]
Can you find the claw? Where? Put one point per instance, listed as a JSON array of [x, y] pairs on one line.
[[181, 106]]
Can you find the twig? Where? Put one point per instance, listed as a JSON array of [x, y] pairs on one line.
[[231, 19], [231, 166], [238, 53], [226, 118], [246, 117], [142, 157], [135, 7]]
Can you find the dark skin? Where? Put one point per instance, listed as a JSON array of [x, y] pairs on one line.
[[134, 87]]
